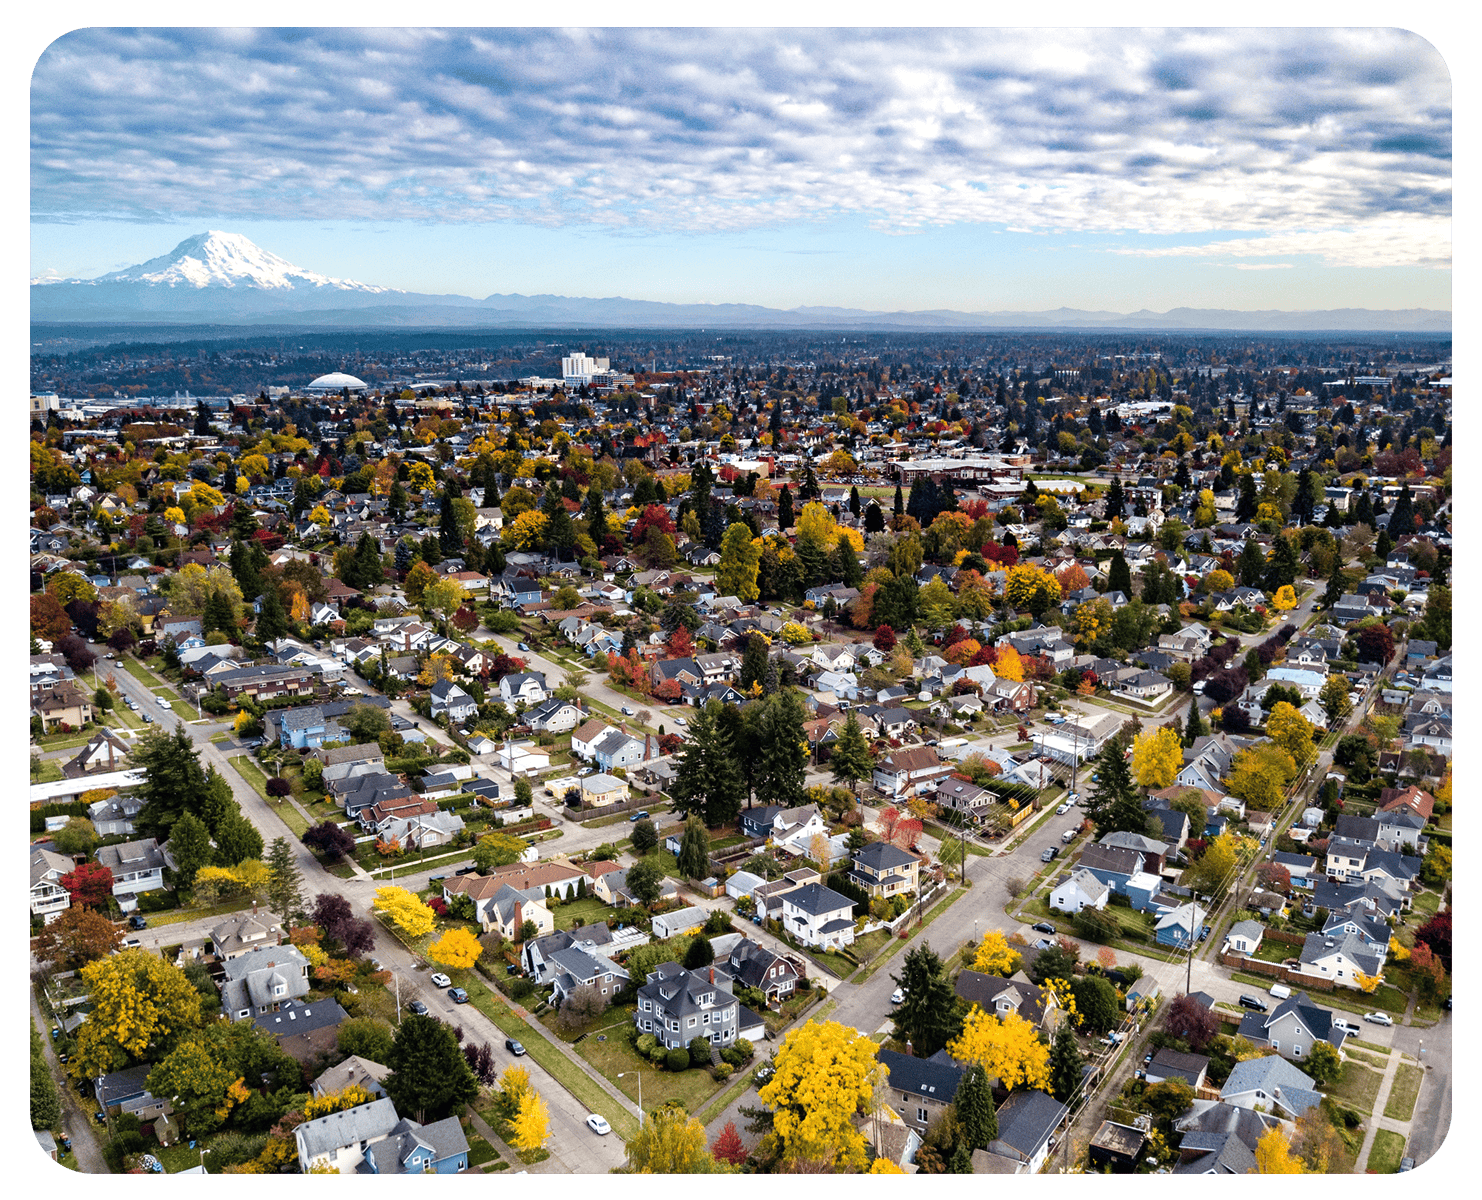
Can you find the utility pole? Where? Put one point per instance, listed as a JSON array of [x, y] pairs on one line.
[[1193, 938]]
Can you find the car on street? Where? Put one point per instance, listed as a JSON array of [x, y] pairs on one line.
[[418, 1007], [1063, 809], [1075, 797], [898, 995], [162, 702], [1407, 1163], [137, 922], [1379, 1018], [1204, 933], [1045, 927], [681, 722], [1253, 1002], [441, 980], [639, 815], [132, 943], [458, 995], [465, 870], [148, 720], [627, 712], [523, 647], [1347, 1027], [598, 1125], [1049, 854], [514, 1047]]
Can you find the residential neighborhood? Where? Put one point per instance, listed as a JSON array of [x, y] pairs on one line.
[[478, 761]]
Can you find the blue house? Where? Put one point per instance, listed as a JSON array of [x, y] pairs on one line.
[[412, 1149], [1180, 926]]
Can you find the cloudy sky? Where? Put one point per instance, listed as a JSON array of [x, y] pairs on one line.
[[943, 168]]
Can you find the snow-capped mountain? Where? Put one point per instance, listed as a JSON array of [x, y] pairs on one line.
[[229, 260]]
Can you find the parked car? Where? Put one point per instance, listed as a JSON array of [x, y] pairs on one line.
[[1063, 809], [1045, 927], [148, 720], [627, 711], [1347, 1027], [1253, 1002], [897, 996], [441, 980], [523, 647], [1049, 854], [162, 702], [681, 722], [132, 943], [459, 995], [1075, 797], [1204, 933], [465, 870], [137, 922], [514, 1047], [418, 1007], [1379, 1018], [598, 1125], [1407, 1163], [639, 815]]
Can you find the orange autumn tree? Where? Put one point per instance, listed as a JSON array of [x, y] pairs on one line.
[[1009, 665]]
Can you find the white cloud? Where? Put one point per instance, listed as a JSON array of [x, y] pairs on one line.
[[1342, 134]]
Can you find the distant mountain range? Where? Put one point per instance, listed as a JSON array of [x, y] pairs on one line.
[[215, 277]]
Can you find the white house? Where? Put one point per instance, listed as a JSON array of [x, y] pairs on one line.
[[818, 916], [529, 687], [1081, 889], [681, 920]]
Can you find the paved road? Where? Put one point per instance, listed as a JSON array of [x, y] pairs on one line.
[[77, 1121]]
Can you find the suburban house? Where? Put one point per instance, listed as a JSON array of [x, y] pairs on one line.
[[1026, 1120], [553, 716], [105, 751], [1244, 938], [451, 701], [925, 1086], [528, 686], [137, 867], [910, 772], [681, 920], [372, 1139], [1292, 1027], [499, 904], [49, 899], [603, 789], [361, 1072], [818, 916], [754, 966], [1273, 1084], [258, 981], [1170, 1064], [1341, 959], [573, 967], [303, 1031], [1016, 994], [1080, 889], [677, 1006], [240, 932], [1180, 927], [114, 815], [884, 869]]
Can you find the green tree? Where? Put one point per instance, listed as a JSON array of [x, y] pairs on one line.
[[1113, 805], [927, 1016], [368, 1037], [851, 759], [1096, 1001], [976, 1116], [1065, 1063], [1194, 726], [707, 782], [694, 849], [237, 840], [498, 850], [740, 560], [1119, 574], [783, 750], [644, 836], [1333, 700], [174, 782], [285, 883], [429, 1077], [272, 620], [645, 880], [190, 846]]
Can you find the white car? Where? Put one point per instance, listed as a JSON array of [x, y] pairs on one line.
[[1062, 810], [598, 1125], [1347, 1027], [681, 722], [441, 980], [897, 996], [1379, 1018]]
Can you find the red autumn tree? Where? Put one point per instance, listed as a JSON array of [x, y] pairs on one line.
[[889, 817], [680, 644], [655, 516], [885, 639], [89, 885], [907, 833], [728, 1147]]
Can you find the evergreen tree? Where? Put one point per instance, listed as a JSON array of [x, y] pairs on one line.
[[1116, 504], [707, 783], [1252, 564], [874, 519], [1245, 506], [851, 759], [245, 569], [174, 782], [1334, 591], [1304, 504], [1065, 1063], [1194, 727], [1402, 520], [976, 1116], [854, 506], [1119, 575], [429, 1079], [900, 506], [694, 848], [850, 572], [285, 884], [368, 568], [190, 847], [783, 750], [272, 621], [1282, 570], [1114, 805], [753, 662], [596, 516], [784, 508], [448, 536], [927, 1016]]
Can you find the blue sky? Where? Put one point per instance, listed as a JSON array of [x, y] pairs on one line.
[[892, 169]]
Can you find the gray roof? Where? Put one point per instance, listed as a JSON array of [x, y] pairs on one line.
[[1266, 1074], [294, 1018], [815, 899], [881, 856], [1214, 1154], [1026, 1119], [363, 1123], [922, 1076], [444, 1139]]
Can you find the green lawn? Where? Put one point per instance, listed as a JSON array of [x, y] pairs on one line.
[[692, 1088], [1385, 1154], [1368, 1059], [1402, 1093], [1427, 902], [1356, 1086], [589, 909], [285, 809], [177, 915], [140, 672], [50, 772]]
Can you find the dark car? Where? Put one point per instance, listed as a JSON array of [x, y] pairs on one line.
[[1253, 1002], [514, 1047], [418, 1007], [458, 994], [639, 815], [465, 870], [1204, 933], [137, 922], [1045, 927], [1050, 854]]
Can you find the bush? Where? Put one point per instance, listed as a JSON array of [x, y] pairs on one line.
[[722, 1072], [699, 1051], [645, 1044], [677, 1059]]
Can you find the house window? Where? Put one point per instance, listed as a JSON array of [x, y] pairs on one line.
[[1297, 1051], [1276, 1046], [921, 1115]]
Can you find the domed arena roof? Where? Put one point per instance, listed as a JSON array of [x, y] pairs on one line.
[[336, 380]]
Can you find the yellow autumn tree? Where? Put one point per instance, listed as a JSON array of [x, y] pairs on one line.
[[1008, 1050], [825, 1074], [1285, 598], [1290, 730], [995, 956], [457, 948], [1157, 757], [405, 910], [883, 1166], [524, 531], [348, 1097], [1026, 581], [1274, 1155], [671, 1142], [138, 1000], [531, 1125], [1367, 983], [436, 669], [514, 1083], [1008, 665]]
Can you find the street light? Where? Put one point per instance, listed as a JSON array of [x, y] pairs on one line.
[[639, 1076]]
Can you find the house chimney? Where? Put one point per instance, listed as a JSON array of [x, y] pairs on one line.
[[712, 976], [254, 908]]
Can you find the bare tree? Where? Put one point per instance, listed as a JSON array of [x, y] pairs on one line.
[[581, 1005]]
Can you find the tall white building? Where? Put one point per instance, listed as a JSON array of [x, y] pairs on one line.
[[579, 369]]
